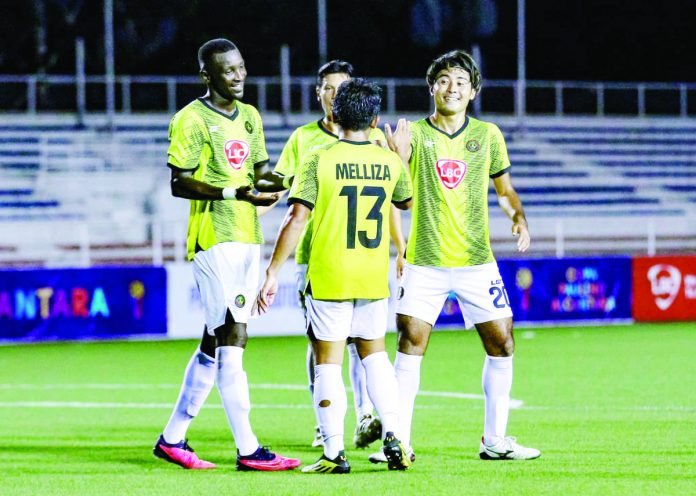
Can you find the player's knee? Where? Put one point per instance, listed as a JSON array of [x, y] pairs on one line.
[[413, 338]]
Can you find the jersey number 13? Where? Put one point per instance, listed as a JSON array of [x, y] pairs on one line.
[[351, 194]]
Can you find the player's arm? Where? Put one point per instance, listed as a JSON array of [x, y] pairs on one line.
[[399, 141], [265, 209], [288, 236], [511, 204], [184, 185], [267, 180], [397, 236]]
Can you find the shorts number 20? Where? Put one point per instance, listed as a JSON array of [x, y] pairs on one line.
[[499, 293]]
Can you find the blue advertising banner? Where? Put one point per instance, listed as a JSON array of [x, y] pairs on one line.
[[556, 290], [58, 304]]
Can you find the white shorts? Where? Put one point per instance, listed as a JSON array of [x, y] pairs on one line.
[[227, 276], [338, 320], [479, 289]]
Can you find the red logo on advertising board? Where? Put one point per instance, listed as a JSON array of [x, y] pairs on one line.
[[236, 152], [451, 171], [664, 288]]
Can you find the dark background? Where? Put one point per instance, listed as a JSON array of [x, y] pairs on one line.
[[588, 40]]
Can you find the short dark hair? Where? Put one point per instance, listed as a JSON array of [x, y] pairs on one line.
[[356, 104], [210, 48], [334, 67], [455, 58]]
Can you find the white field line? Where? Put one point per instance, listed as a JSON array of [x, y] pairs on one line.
[[278, 387]]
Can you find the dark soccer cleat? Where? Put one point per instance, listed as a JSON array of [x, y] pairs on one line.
[[395, 453], [264, 460], [323, 465], [368, 430], [180, 454], [507, 449]]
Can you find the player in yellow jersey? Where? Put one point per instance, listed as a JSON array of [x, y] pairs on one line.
[[303, 140], [217, 154], [348, 185], [452, 158]]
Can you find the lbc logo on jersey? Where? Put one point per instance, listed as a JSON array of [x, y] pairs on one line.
[[451, 171], [236, 152]]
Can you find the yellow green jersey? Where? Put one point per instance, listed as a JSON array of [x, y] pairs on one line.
[[349, 186], [451, 175], [223, 151], [303, 140]]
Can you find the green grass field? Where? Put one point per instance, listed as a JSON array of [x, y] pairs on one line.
[[613, 410]]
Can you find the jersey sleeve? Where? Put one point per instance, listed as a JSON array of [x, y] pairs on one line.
[[259, 154], [289, 160], [499, 159], [187, 137], [306, 185], [403, 191]]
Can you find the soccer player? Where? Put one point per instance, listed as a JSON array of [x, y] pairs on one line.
[[217, 153], [348, 185], [303, 140], [452, 157]]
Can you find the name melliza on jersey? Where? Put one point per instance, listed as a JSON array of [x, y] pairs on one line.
[[376, 172]]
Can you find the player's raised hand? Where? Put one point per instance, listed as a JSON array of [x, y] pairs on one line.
[[244, 193], [521, 232], [399, 140], [267, 293]]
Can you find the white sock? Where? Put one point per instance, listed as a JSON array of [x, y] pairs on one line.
[[361, 398], [234, 391], [382, 385], [407, 368], [199, 378], [330, 405], [310, 369], [497, 383]]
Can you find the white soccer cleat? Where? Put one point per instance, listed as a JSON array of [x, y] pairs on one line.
[[318, 440], [507, 449], [380, 457], [368, 430]]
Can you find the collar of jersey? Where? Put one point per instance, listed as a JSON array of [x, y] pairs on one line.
[[450, 136], [230, 117], [354, 142], [320, 123]]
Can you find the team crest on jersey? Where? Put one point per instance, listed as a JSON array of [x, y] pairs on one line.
[[473, 146], [239, 301], [236, 152], [249, 128], [451, 172]]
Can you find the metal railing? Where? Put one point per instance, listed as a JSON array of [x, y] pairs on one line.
[[46, 93]]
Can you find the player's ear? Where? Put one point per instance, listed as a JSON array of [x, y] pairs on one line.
[[473, 95], [204, 76], [374, 122], [317, 89]]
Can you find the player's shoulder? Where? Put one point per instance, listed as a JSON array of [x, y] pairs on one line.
[[486, 126], [248, 110], [187, 118], [191, 111]]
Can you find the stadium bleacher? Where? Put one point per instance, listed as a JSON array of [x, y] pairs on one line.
[[617, 180]]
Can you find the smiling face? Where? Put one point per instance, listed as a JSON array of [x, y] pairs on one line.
[[326, 91], [452, 91], [226, 75]]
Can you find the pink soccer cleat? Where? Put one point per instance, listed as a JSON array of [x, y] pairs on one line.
[[267, 461], [180, 454]]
